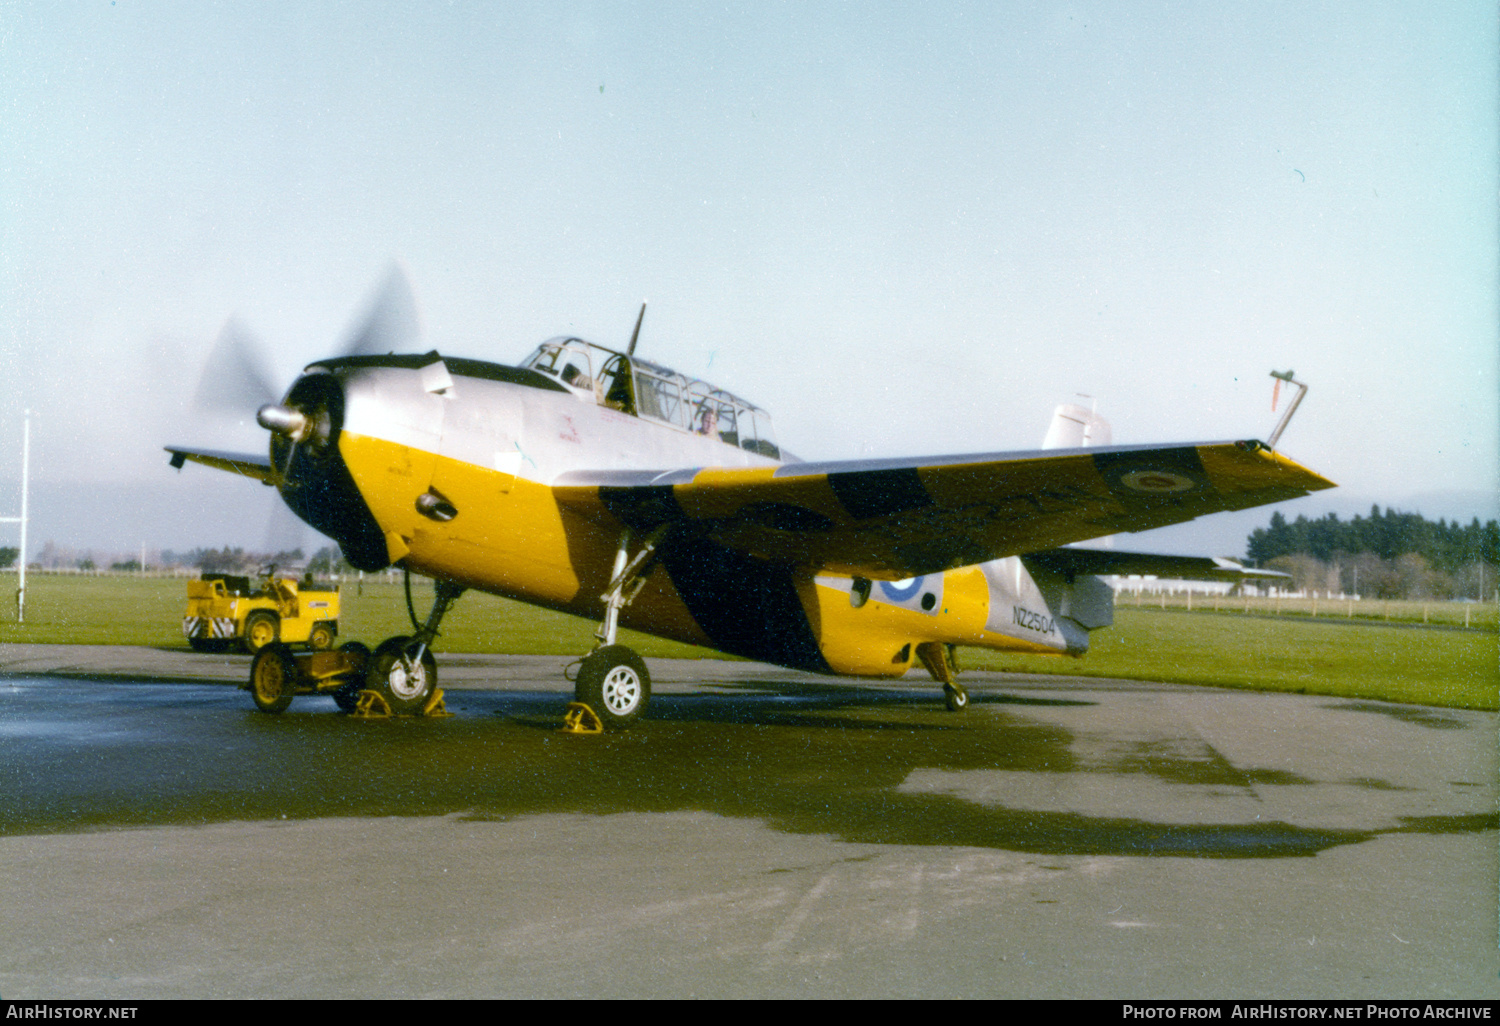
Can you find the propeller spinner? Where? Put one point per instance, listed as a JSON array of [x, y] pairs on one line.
[[305, 424]]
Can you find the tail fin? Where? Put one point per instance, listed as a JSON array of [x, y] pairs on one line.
[[1074, 427]]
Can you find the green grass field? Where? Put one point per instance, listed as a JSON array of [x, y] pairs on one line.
[[1409, 663], [1453, 614], [125, 610], [1351, 658]]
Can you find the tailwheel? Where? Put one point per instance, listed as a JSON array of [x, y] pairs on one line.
[[404, 673], [956, 697], [942, 662], [273, 678], [613, 682]]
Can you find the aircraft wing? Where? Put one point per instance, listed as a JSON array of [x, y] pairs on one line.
[[258, 467], [897, 518]]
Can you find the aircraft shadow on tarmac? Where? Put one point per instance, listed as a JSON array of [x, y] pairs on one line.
[[803, 758], [817, 705], [820, 693]]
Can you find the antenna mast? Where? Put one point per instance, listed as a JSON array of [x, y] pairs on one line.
[[636, 334], [1291, 407]]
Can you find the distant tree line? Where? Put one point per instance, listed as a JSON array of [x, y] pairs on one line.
[[227, 560], [327, 560], [1385, 555], [233, 560]]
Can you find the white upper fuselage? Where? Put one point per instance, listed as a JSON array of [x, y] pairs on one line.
[[536, 433]]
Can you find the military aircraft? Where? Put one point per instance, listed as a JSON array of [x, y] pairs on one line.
[[589, 480]]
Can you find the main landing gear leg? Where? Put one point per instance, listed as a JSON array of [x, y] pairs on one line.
[[612, 680], [403, 671], [941, 663]]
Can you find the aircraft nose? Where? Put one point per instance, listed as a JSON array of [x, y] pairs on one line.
[[315, 482]]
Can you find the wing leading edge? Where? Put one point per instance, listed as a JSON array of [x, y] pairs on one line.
[[893, 519], [258, 467]]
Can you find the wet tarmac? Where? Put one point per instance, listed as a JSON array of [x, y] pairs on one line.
[[763, 833]]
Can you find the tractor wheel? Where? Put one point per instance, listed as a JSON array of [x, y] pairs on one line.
[[320, 638], [273, 678], [261, 629], [347, 697]]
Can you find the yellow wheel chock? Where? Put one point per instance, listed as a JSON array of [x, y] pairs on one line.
[[436, 707], [371, 705], [580, 719]]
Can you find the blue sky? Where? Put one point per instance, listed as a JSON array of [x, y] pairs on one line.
[[902, 228]]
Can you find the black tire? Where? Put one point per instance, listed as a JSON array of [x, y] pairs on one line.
[[262, 628], [614, 683], [273, 678], [404, 687], [957, 699], [347, 697], [320, 638]]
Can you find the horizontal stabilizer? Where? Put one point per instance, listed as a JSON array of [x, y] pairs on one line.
[[1075, 426], [1099, 562], [258, 467]]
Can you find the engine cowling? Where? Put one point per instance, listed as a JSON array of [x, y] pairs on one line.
[[312, 477]]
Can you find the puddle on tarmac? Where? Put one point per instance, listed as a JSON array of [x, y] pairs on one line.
[[826, 760], [1421, 715]]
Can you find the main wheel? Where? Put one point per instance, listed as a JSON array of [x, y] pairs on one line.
[[320, 638], [347, 697], [261, 629], [404, 684], [614, 683], [273, 678]]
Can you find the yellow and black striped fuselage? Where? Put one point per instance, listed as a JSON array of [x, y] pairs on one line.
[[465, 478]]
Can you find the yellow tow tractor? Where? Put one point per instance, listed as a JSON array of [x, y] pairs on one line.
[[224, 610], [398, 679]]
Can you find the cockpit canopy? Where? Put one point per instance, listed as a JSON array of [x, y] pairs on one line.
[[654, 392]]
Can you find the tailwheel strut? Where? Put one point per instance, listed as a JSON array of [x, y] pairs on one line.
[[613, 683], [943, 665]]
